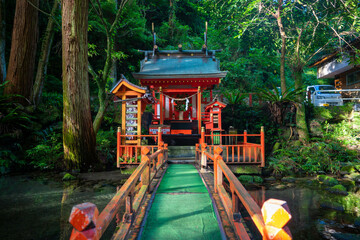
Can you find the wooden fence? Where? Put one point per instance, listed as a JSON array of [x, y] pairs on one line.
[[236, 150], [269, 221], [128, 154], [89, 224]]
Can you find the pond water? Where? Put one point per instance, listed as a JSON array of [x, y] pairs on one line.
[[310, 219], [37, 206]]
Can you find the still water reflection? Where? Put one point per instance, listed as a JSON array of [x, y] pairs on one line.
[[37, 206], [309, 219]]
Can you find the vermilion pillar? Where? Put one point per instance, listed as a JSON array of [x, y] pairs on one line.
[[161, 106], [199, 109]]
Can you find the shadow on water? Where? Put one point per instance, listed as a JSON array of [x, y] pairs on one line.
[[309, 219], [37, 206]]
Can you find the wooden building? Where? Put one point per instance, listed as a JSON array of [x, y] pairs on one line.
[[339, 65], [177, 79]]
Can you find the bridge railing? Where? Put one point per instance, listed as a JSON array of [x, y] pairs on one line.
[[269, 221], [237, 147], [128, 154], [89, 224]]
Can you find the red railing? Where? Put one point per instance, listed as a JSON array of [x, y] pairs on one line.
[[269, 221], [236, 147], [130, 154], [89, 224]]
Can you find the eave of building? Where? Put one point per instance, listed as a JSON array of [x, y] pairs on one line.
[[332, 68], [130, 86], [179, 76]]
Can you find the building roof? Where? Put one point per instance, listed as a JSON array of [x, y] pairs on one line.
[[180, 64], [215, 102], [328, 57], [124, 82]]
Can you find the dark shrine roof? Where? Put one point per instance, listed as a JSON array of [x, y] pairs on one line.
[[179, 64]]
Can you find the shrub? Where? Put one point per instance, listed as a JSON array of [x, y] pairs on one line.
[[311, 158], [47, 153]]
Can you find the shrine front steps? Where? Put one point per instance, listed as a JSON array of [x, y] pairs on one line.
[[181, 154], [181, 151]]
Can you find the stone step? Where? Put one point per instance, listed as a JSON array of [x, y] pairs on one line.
[[184, 152]]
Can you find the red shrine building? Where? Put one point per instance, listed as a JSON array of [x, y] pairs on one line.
[[175, 80]]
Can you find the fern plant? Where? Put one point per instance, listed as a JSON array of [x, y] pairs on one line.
[[278, 103]]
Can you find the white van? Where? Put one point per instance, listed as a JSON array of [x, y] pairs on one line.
[[324, 96]]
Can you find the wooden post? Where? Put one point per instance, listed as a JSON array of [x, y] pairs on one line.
[[262, 139], [203, 162], [202, 139], [161, 106], [128, 216], [118, 152], [145, 176], [218, 175], [199, 108], [245, 146], [159, 135], [250, 100], [123, 113], [235, 199]]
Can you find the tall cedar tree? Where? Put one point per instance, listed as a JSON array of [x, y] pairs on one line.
[[2, 42], [21, 65], [78, 133]]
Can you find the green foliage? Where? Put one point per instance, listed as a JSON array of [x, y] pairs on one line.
[[338, 189], [327, 180], [128, 170], [311, 158], [47, 154], [106, 145], [234, 97], [13, 116], [68, 177], [345, 132], [274, 96], [333, 114], [246, 179], [242, 117]]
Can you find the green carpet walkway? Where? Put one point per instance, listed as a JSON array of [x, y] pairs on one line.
[[182, 208]]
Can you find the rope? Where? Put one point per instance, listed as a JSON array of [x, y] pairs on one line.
[[181, 99]]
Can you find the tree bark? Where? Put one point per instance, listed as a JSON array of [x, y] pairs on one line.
[[20, 72], [2, 42], [78, 133], [44, 57], [301, 124], [283, 46]]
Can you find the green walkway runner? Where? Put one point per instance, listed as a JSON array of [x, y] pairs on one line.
[[182, 208]]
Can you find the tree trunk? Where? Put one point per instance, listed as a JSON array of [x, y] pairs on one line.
[[78, 133], [2, 42], [44, 57], [283, 46], [20, 72], [301, 124]]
